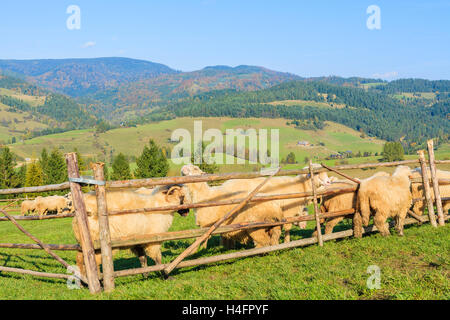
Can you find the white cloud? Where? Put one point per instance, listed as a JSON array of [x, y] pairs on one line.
[[386, 75], [88, 44]]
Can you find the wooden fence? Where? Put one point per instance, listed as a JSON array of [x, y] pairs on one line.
[[105, 244]]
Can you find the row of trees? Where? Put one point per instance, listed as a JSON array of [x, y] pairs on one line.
[[49, 169]]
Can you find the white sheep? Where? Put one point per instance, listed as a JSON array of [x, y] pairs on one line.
[[133, 224], [282, 185], [339, 202], [27, 206], [45, 205], [252, 212], [386, 197]]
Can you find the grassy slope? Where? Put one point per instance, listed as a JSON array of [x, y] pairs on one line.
[[412, 267], [131, 140], [22, 124], [34, 101]]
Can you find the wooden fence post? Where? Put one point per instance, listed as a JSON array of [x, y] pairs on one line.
[[316, 207], [426, 188], [82, 221], [105, 237], [434, 180]]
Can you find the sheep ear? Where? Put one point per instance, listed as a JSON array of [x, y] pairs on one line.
[[308, 175], [172, 192]]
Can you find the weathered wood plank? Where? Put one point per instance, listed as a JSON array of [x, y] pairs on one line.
[[82, 221]]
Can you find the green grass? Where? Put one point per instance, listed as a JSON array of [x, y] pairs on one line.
[[130, 141], [415, 266]]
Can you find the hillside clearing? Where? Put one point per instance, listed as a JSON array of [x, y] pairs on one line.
[[130, 141]]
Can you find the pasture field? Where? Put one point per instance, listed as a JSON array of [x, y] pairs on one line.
[[34, 101], [415, 266], [309, 103], [18, 123], [130, 141]]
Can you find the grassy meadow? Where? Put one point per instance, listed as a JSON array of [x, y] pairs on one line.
[[130, 141], [415, 266]]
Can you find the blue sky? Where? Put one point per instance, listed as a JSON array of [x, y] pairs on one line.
[[308, 38]]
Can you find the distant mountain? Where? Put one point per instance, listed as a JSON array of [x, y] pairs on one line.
[[78, 77], [105, 85], [170, 87]]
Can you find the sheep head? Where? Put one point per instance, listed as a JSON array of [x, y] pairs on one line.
[[403, 171], [191, 170], [177, 194], [320, 179]]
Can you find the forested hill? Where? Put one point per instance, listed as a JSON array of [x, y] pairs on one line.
[[54, 111], [77, 77], [413, 85], [374, 113]]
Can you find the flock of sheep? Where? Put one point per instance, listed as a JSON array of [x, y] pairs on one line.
[[382, 196], [47, 205]]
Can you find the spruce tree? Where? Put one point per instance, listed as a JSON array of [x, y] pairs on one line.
[[22, 175], [43, 162], [290, 158], [56, 168], [81, 164], [393, 151], [8, 175], [399, 151], [34, 176], [152, 162], [121, 168]]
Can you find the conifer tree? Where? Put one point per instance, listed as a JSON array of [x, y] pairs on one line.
[[121, 168], [22, 175], [8, 175], [152, 162], [34, 176], [43, 162], [56, 168], [80, 160], [393, 151]]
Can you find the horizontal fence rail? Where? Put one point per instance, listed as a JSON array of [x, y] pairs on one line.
[[151, 182], [36, 217], [62, 247]]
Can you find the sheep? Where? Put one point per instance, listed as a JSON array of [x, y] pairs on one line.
[[253, 212], [134, 224], [417, 190], [344, 201], [45, 205], [27, 206], [284, 185], [385, 197]]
